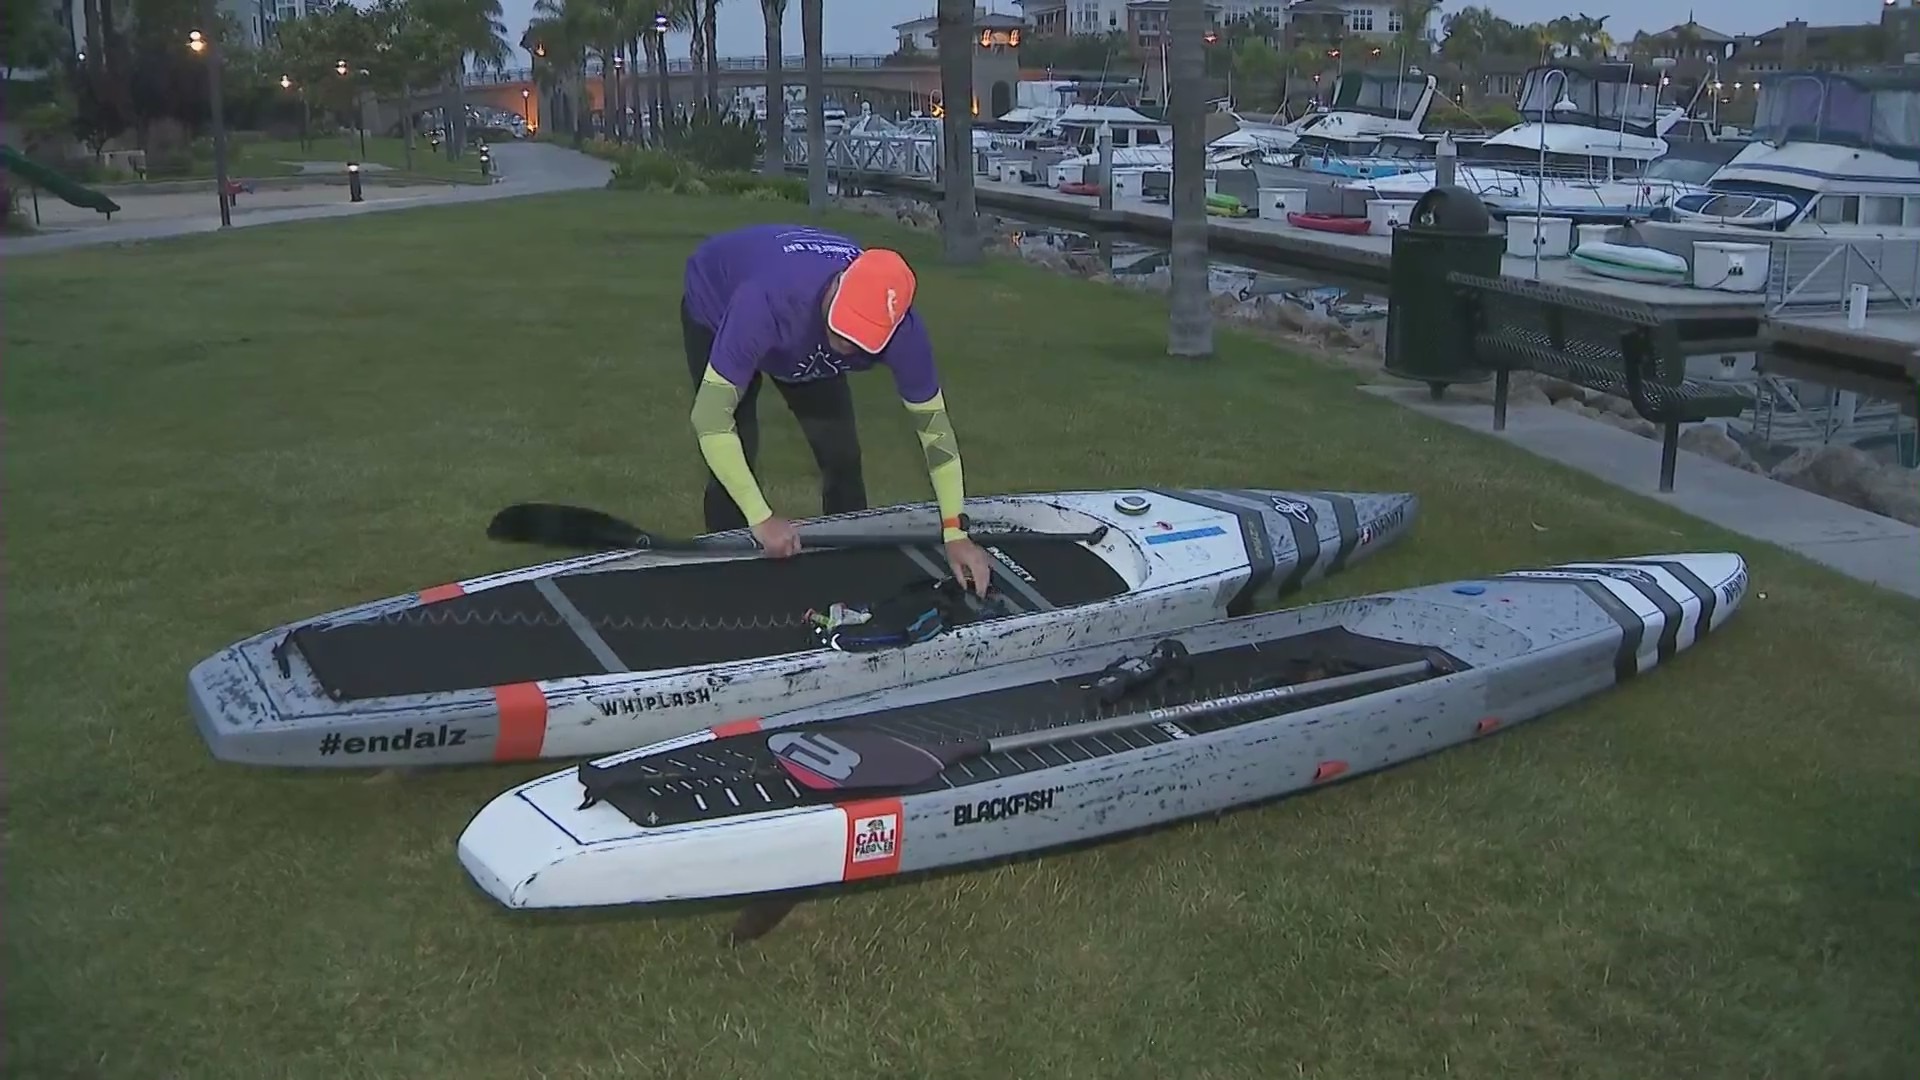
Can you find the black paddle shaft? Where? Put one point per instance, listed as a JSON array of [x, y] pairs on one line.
[[560, 525], [843, 758]]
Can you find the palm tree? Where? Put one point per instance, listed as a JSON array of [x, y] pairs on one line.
[[681, 16], [774, 13], [810, 20], [1190, 325], [477, 32], [1412, 37], [564, 31], [959, 222]]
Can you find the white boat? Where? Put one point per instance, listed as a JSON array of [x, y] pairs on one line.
[[1595, 150], [1832, 155], [1365, 106], [1390, 154]]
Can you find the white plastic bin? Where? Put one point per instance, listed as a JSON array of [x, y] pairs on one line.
[[1275, 203], [1552, 235]]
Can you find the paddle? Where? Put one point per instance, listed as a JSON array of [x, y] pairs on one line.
[[560, 525], [853, 758]]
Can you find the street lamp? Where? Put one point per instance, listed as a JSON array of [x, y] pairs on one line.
[[526, 107], [658, 118], [340, 68], [616, 121], [1564, 105], [203, 45]]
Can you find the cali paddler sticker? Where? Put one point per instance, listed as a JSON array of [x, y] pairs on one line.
[[873, 838]]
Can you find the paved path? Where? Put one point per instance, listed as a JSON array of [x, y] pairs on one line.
[[525, 169], [1859, 544]]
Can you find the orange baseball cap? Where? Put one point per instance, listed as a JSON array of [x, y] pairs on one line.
[[876, 289]]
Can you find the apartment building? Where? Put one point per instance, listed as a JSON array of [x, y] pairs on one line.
[[1306, 20]]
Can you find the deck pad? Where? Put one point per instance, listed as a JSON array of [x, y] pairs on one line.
[[655, 618], [738, 775]]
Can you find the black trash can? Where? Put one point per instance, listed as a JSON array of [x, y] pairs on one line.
[[1428, 339]]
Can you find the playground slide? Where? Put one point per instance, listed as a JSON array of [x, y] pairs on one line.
[[39, 175]]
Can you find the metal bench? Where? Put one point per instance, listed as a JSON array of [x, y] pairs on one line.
[[1615, 347]]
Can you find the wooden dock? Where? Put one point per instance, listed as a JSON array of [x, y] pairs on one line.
[[1881, 361], [1352, 258]]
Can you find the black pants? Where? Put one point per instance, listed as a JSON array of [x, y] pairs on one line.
[[825, 411]]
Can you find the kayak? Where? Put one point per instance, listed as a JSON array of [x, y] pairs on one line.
[[1333, 223], [1627, 263], [600, 653], [1092, 742]]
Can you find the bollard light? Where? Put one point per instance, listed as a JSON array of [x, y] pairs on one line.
[[196, 42], [353, 182], [340, 68], [286, 83], [486, 163]]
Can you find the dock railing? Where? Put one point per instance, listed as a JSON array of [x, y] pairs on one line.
[[885, 153], [1812, 277], [1815, 275]]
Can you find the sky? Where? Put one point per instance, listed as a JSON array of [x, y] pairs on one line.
[[866, 26]]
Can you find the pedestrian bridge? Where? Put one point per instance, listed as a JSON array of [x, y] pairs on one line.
[[885, 84]]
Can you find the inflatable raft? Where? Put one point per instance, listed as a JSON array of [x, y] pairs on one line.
[[1626, 263], [603, 652], [1092, 742]]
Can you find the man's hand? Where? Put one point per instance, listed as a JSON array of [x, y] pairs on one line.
[[778, 537], [970, 566]]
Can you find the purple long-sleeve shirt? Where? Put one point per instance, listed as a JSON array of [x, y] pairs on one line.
[[759, 289]]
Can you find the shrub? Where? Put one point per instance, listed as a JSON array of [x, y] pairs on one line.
[[714, 140], [646, 169], [649, 170]]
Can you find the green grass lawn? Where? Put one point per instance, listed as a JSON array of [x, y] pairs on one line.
[[257, 159], [1710, 872], [381, 150]]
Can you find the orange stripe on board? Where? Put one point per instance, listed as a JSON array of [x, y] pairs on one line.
[[1486, 724], [875, 834], [523, 722], [1327, 770], [736, 727], [441, 592]]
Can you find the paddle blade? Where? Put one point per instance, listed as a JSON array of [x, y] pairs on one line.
[[855, 759], [557, 525]]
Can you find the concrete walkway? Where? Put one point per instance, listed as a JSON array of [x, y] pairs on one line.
[[525, 169], [1859, 544]]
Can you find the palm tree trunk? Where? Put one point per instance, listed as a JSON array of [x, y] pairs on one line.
[[774, 161], [959, 222], [609, 93], [457, 129], [712, 34], [406, 120], [696, 57], [666, 85], [1190, 322], [810, 20], [632, 93]]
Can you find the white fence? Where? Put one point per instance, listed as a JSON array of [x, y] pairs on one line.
[[883, 153]]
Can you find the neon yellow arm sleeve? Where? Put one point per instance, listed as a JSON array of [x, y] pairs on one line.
[[713, 406], [943, 461]]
